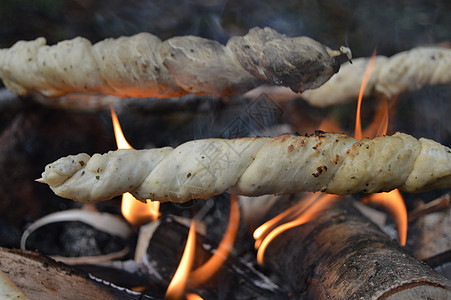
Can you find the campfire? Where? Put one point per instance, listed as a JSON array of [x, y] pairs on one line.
[[265, 166]]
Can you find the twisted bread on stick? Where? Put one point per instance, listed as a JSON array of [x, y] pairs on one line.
[[326, 162], [144, 66], [405, 71]]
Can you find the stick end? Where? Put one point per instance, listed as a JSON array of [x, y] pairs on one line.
[[40, 180]]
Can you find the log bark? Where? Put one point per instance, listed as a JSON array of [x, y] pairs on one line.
[[342, 255], [40, 277]]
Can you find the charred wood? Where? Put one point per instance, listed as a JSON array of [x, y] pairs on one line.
[[237, 279]]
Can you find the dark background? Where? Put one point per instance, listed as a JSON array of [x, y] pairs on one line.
[[390, 25], [32, 135]]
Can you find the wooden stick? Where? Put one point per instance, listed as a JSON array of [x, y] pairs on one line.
[[439, 204]]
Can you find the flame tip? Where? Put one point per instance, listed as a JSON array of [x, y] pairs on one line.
[[305, 211], [177, 285], [393, 202], [366, 78], [210, 267], [135, 211]]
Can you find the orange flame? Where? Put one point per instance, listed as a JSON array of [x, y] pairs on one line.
[[137, 212], [394, 203], [329, 125], [289, 214], [192, 296], [177, 285], [366, 77], [379, 126], [207, 270], [134, 211], [306, 215], [120, 138], [391, 201]]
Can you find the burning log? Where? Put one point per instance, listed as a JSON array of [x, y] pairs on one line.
[[326, 162], [405, 71], [144, 66], [342, 255], [237, 279]]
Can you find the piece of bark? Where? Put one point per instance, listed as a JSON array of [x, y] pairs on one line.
[[342, 255], [431, 234], [42, 278], [236, 279], [440, 204]]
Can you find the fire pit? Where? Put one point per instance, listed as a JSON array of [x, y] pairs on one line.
[[299, 245]]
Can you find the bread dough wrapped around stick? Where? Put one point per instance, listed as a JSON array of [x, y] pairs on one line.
[[331, 163], [403, 72], [144, 66]]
